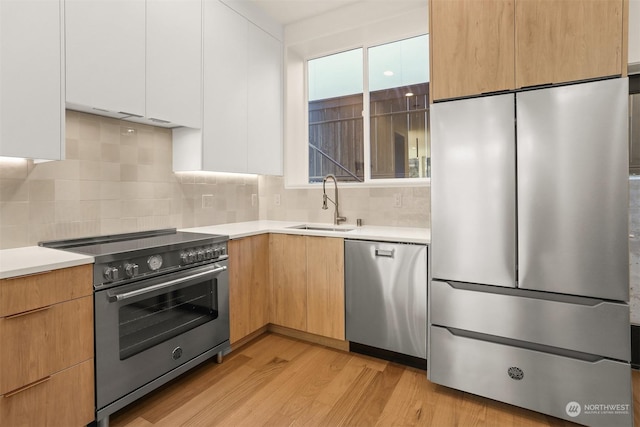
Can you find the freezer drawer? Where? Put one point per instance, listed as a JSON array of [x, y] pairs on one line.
[[581, 324], [595, 393], [386, 296]]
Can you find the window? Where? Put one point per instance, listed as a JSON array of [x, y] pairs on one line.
[[376, 128]]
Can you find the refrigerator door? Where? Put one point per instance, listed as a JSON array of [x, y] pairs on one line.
[[473, 202], [572, 189]]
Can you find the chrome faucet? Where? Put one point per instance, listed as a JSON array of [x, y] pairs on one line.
[[337, 219]]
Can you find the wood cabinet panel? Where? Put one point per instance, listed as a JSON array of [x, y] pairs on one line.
[[567, 40], [40, 343], [288, 259], [472, 47], [26, 293], [325, 287], [248, 285], [64, 399]]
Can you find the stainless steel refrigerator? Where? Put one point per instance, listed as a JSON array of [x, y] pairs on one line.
[[530, 269]]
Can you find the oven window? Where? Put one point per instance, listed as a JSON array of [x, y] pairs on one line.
[[148, 322]]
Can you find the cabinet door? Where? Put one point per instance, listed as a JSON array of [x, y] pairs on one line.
[[288, 259], [31, 79], [105, 54], [39, 343], [64, 399], [265, 106], [248, 285], [225, 89], [472, 47], [325, 287], [174, 61], [567, 40]]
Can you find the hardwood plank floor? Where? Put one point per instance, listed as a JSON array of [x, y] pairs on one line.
[[281, 381]]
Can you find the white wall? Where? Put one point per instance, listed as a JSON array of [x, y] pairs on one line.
[[377, 22]]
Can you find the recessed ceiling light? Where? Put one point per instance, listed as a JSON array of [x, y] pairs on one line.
[[388, 73], [408, 94]]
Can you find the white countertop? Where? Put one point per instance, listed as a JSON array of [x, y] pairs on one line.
[[367, 232], [36, 259]]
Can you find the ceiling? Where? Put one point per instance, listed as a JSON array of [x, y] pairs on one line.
[[290, 11]]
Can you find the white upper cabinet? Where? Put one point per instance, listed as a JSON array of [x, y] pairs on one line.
[[225, 89], [265, 103], [105, 55], [31, 79], [174, 62], [242, 115]]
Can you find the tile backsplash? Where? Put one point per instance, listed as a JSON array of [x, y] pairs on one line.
[[117, 177], [375, 205]]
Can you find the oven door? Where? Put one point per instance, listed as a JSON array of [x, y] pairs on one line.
[[147, 328]]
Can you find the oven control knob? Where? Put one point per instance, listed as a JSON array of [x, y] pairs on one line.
[[131, 270], [209, 253], [191, 256], [184, 258], [200, 255], [111, 273]]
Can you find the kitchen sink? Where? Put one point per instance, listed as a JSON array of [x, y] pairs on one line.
[[321, 228]]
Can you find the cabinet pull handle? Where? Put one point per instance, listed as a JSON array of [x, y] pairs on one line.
[[27, 387], [25, 313], [385, 252]]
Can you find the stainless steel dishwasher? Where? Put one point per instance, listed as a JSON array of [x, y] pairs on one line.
[[386, 296]]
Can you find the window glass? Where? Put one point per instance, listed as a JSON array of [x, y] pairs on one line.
[[335, 117], [399, 109], [396, 114]]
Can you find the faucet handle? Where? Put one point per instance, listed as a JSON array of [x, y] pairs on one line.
[[340, 219]]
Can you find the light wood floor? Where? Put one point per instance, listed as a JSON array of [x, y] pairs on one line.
[[280, 381]]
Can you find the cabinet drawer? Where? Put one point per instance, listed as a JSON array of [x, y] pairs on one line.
[[535, 380], [580, 324], [39, 343], [64, 399], [26, 293]]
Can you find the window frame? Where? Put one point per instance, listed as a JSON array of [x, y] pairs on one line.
[[366, 123]]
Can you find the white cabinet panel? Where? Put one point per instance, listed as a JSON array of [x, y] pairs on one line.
[[225, 89], [31, 79], [265, 103], [174, 61], [105, 49]]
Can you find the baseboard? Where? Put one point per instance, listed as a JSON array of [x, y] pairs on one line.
[[391, 356], [246, 340], [313, 338]]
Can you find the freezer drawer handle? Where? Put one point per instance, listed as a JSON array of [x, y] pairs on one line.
[[385, 252]]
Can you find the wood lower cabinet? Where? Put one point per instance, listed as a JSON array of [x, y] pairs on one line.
[[307, 281], [62, 399], [249, 292], [46, 357], [288, 258], [325, 287]]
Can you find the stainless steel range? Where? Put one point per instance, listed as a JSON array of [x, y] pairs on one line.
[[161, 302]]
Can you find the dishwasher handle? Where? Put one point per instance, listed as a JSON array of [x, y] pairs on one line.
[[388, 253]]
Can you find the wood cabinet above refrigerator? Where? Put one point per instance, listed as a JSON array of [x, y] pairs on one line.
[[490, 46]]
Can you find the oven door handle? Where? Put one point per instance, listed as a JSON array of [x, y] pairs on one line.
[[126, 295]]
